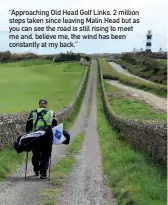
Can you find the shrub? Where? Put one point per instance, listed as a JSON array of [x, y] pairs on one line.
[[69, 56], [7, 56]]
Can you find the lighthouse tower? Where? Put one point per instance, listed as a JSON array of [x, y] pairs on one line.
[[148, 41]]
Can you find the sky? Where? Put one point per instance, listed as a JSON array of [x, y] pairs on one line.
[[153, 15]]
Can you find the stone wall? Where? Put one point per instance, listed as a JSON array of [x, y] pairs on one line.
[[150, 136], [12, 125]]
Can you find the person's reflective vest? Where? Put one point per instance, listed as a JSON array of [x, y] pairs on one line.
[[42, 121]]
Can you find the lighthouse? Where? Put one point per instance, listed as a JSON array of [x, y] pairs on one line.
[[148, 41]]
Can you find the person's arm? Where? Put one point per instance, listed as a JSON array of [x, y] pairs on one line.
[[29, 123], [54, 121]]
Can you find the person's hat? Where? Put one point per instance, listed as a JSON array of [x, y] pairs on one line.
[[43, 101]]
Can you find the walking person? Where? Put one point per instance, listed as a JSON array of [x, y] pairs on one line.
[[41, 119]]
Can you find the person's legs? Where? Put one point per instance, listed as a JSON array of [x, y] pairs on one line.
[[44, 163], [36, 161], [46, 149]]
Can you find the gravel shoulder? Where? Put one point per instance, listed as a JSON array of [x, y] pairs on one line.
[[18, 191], [155, 101], [86, 184]]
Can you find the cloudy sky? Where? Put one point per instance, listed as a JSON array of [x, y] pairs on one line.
[[152, 16]]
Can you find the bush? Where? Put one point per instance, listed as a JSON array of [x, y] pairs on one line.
[[69, 56], [7, 56], [87, 58]]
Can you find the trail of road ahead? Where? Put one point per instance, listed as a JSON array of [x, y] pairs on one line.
[[18, 191], [86, 184], [118, 68], [154, 100]]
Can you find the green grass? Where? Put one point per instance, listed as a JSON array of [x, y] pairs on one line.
[[133, 177], [60, 173], [162, 61], [111, 88], [110, 73], [135, 109], [23, 83], [10, 161], [132, 108]]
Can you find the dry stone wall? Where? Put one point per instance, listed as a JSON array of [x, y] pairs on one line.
[[150, 136]]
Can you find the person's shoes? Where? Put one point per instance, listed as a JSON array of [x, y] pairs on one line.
[[36, 173], [43, 176]]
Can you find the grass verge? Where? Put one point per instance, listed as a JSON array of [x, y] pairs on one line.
[[127, 106], [61, 172], [133, 177], [111, 73]]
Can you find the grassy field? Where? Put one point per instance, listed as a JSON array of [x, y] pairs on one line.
[[129, 107], [133, 177], [110, 73], [23, 83]]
